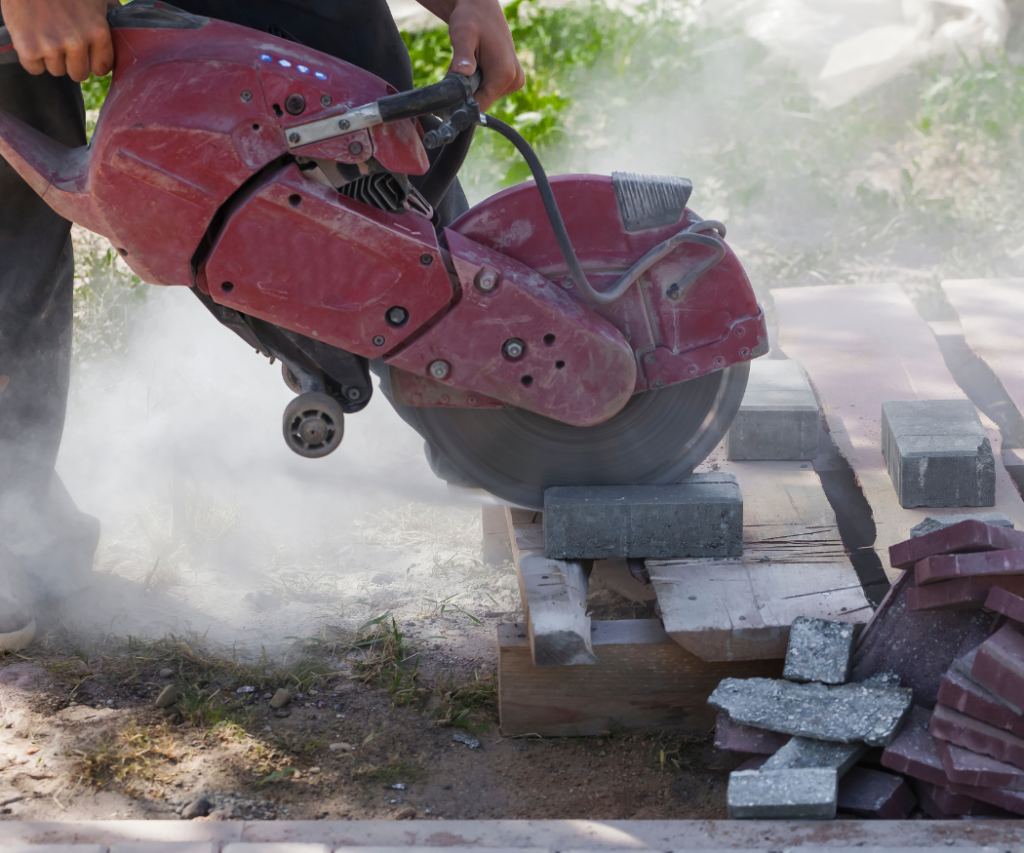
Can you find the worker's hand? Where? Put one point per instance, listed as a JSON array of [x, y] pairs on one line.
[[480, 36], [61, 36]]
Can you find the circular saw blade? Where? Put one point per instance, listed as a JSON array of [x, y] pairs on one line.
[[658, 437]]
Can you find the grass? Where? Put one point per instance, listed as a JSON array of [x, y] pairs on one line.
[[132, 752], [386, 661], [470, 705]]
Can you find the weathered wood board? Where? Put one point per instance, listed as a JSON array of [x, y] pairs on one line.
[[497, 546], [554, 596], [793, 564], [863, 345], [644, 680]]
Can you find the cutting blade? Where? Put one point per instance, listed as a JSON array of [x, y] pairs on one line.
[[658, 437]]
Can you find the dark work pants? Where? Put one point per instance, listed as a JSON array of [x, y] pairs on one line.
[[38, 520]]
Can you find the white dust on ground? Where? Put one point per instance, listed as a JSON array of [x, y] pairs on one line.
[[213, 528]]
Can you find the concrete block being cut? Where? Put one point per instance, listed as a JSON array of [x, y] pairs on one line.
[[767, 794], [778, 418], [938, 453], [819, 650], [700, 517]]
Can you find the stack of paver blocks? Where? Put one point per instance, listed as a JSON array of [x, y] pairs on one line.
[[938, 683]]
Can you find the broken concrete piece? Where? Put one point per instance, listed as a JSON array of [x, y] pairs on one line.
[[818, 650], [961, 594], [984, 564], [969, 768], [778, 418], [281, 698], [847, 713], [733, 737], [168, 696], [700, 517], [999, 665], [960, 693], [804, 752], [766, 794], [938, 453], [916, 646], [969, 535], [940, 522], [1009, 605], [914, 753], [874, 794], [947, 724]]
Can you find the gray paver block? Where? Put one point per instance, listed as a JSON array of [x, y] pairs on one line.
[[847, 713], [802, 752], [819, 650], [700, 517], [778, 418], [938, 453], [804, 793], [940, 522]]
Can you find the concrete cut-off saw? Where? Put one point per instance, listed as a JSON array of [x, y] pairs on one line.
[[582, 330]]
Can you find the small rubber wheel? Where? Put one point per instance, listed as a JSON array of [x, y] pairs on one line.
[[314, 424], [290, 379]]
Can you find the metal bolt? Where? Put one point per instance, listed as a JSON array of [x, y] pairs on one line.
[[246, 96], [397, 315], [343, 124], [353, 394], [294, 138], [325, 100], [378, 340], [486, 281], [744, 352], [659, 383], [439, 369], [295, 104], [426, 260], [567, 283], [649, 358], [355, 149], [514, 348]]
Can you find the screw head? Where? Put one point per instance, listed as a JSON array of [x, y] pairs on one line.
[[246, 96], [353, 394], [343, 124], [294, 138], [426, 260], [439, 369], [514, 348], [397, 316], [325, 100], [355, 149], [659, 383], [649, 358], [295, 104], [378, 340], [486, 281]]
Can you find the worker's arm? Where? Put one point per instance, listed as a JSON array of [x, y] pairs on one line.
[[61, 36], [480, 35]]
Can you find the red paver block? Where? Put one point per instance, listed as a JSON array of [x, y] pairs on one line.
[[914, 752], [941, 803], [947, 724], [970, 535], [1012, 801], [961, 694], [964, 767], [872, 793], [983, 564], [961, 593], [755, 763], [1009, 605], [733, 737], [916, 646], [999, 665]]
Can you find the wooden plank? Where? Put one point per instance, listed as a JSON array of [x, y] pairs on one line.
[[644, 680], [554, 596], [863, 345], [793, 564], [497, 545]]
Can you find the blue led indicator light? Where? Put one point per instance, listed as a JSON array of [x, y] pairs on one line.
[[302, 69], [319, 75], [266, 57], [284, 63]]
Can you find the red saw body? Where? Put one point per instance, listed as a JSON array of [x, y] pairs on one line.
[[281, 185]]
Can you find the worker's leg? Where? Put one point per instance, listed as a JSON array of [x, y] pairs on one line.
[[39, 522]]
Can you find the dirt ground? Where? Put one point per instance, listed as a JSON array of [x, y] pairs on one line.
[[81, 737]]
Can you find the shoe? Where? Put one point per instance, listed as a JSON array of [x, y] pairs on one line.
[[17, 611]]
